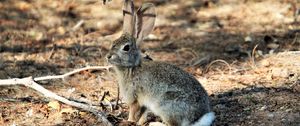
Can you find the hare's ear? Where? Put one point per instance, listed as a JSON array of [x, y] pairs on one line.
[[128, 17], [145, 19]]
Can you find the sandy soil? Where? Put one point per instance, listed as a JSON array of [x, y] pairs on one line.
[[244, 52]]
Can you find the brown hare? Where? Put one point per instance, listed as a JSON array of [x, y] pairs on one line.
[[166, 90]]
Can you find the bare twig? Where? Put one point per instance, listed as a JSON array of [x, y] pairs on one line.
[[51, 52], [219, 60], [295, 39], [71, 73], [77, 25], [253, 55], [201, 60], [29, 82], [106, 93]]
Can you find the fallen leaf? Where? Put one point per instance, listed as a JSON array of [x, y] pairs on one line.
[[54, 105]]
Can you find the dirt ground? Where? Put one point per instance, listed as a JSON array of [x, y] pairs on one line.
[[244, 52]]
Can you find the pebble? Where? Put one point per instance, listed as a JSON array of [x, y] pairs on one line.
[[263, 108], [280, 72], [61, 30], [265, 63], [271, 115], [248, 39], [273, 45]]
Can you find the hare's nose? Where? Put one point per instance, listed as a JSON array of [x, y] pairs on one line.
[[111, 56], [108, 56]]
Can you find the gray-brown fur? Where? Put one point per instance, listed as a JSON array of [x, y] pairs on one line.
[[164, 89], [178, 94]]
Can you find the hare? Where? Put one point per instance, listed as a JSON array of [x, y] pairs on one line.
[[166, 90]]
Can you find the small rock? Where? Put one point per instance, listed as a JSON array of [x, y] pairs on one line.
[[246, 109], [82, 114], [273, 45], [271, 51], [61, 30], [288, 110], [54, 105], [36, 35], [71, 90], [14, 124], [280, 72], [270, 115], [263, 108], [259, 52], [248, 39], [265, 63]]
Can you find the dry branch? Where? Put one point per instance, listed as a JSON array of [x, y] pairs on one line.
[[71, 73], [30, 82], [77, 25]]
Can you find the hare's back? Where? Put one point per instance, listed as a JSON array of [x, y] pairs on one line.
[[170, 77]]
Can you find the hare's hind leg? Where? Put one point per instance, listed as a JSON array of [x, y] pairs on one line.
[[135, 112], [133, 109], [143, 118]]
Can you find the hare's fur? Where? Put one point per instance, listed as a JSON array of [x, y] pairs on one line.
[[164, 89]]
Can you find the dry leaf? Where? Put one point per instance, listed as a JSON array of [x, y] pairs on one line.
[[82, 114], [54, 105]]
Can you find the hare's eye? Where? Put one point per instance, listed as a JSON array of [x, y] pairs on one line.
[[126, 48]]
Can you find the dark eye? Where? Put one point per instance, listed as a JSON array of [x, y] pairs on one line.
[[126, 48]]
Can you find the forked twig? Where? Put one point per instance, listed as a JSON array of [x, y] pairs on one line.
[[30, 82]]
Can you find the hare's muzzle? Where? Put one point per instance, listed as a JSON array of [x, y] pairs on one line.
[[111, 57], [108, 56]]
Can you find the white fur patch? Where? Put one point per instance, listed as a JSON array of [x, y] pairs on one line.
[[206, 120]]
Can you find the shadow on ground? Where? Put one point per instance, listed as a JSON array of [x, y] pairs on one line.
[[257, 106]]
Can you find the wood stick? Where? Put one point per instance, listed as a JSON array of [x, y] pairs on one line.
[[30, 82], [71, 73]]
